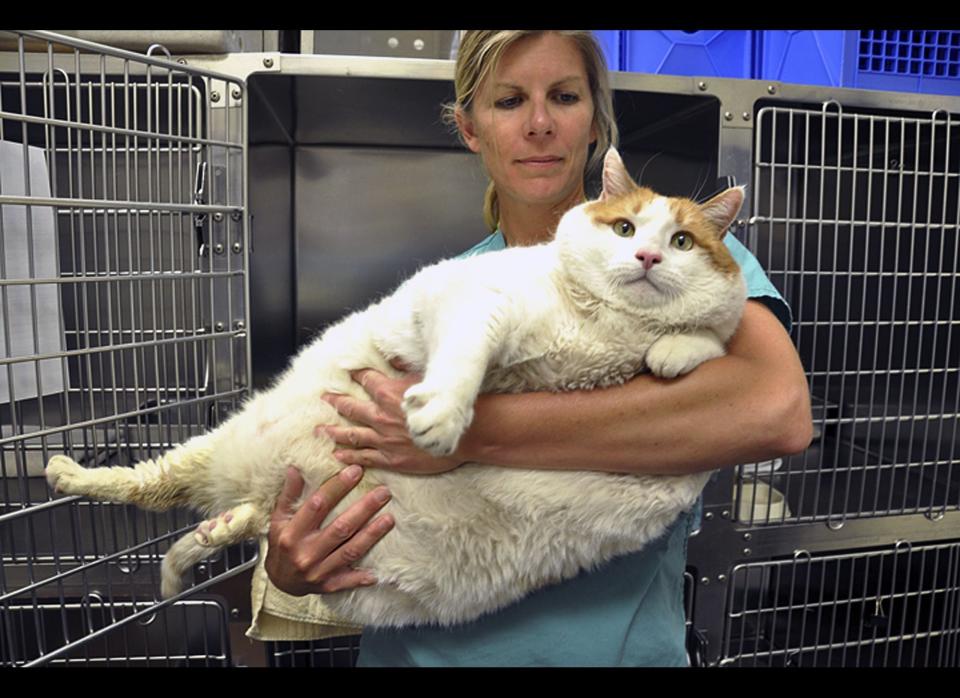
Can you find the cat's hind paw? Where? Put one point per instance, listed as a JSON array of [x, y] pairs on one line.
[[216, 532], [65, 475], [435, 419], [229, 527]]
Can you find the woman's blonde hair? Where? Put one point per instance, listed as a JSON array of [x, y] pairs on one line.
[[479, 55]]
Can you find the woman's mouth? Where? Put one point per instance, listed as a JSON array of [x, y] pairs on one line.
[[544, 161]]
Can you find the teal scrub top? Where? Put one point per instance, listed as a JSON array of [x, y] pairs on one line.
[[628, 612]]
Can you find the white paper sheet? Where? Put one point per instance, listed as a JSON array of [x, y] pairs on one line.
[[22, 307]]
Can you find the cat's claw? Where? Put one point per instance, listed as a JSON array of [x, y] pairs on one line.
[[64, 475], [435, 419]]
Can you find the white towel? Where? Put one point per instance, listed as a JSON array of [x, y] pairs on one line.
[[279, 616]]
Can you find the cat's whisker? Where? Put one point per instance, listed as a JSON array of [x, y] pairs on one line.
[[646, 165], [698, 186]]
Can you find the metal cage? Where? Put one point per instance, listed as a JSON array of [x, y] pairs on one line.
[[122, 325], [854, 215]]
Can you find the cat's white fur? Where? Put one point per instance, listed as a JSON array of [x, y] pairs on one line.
[[579, 312]]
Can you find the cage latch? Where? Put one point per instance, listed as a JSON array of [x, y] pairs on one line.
[[878, 619], [199, 198]]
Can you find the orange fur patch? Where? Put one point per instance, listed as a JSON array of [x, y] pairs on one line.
[[609, 211], [705, 233]]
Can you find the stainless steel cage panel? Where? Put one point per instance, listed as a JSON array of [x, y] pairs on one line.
[[856, 220], [899, 606], [335, 652], [188, 633], [123, 315]]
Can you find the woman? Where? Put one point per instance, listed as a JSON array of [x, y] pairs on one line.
[[530, 104]]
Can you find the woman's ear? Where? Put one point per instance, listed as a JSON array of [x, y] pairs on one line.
[[467, 129]]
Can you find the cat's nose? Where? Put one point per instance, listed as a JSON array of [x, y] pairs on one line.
[[648, 259]]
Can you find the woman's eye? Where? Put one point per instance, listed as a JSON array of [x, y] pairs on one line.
[[568, 98], [682, 241], [508, 102], [624, 229]]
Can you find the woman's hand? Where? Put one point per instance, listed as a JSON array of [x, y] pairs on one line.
[[382, 440], [304, 559]]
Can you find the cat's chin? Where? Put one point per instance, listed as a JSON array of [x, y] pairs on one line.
[[642, 280], [643, 287], [644, 294]]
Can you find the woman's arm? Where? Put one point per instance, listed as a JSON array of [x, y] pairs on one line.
[[750, 405]]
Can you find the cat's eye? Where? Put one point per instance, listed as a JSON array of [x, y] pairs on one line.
[[682, 241], [624, 229]]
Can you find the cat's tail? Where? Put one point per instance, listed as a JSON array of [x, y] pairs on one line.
[[157, 484], [181, 556]]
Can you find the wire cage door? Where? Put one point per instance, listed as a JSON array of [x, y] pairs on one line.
[[857, 221], [897, 606], [123, 316]]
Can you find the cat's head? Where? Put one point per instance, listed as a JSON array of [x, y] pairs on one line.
[[645, 249]]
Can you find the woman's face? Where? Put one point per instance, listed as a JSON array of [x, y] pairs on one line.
[[532, 121]]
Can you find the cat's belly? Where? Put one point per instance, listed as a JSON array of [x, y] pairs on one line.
[[479, 537]]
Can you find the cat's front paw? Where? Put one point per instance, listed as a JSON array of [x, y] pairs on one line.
[[65, 475], [674, 355], [436, 420]]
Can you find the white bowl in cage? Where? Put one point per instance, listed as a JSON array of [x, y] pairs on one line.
[[761, 503]]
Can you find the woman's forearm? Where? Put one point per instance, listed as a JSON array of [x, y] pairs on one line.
[[750, 405]]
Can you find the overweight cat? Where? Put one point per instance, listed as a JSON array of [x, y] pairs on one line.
[[633, 281]]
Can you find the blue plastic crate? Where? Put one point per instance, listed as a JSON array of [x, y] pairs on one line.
[[727, 53], [610, 43], [894, 60], [806, 57]]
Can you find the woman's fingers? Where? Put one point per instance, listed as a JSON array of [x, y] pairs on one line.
[[401, 365], [336, 571], [365, 458], [292, 489], [356, 516], [305, 558], [351, 437], [357, 411], [309, 517]]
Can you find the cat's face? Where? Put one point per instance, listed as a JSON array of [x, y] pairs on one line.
[[645, 249]]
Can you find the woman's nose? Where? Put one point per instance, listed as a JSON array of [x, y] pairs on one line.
[[540, 121]]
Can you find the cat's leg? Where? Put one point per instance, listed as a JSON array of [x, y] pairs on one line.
[[676, 354], [465, 340], [156, 485]]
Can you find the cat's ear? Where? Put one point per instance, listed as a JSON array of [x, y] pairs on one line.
[[724, 207], [616, 179]]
